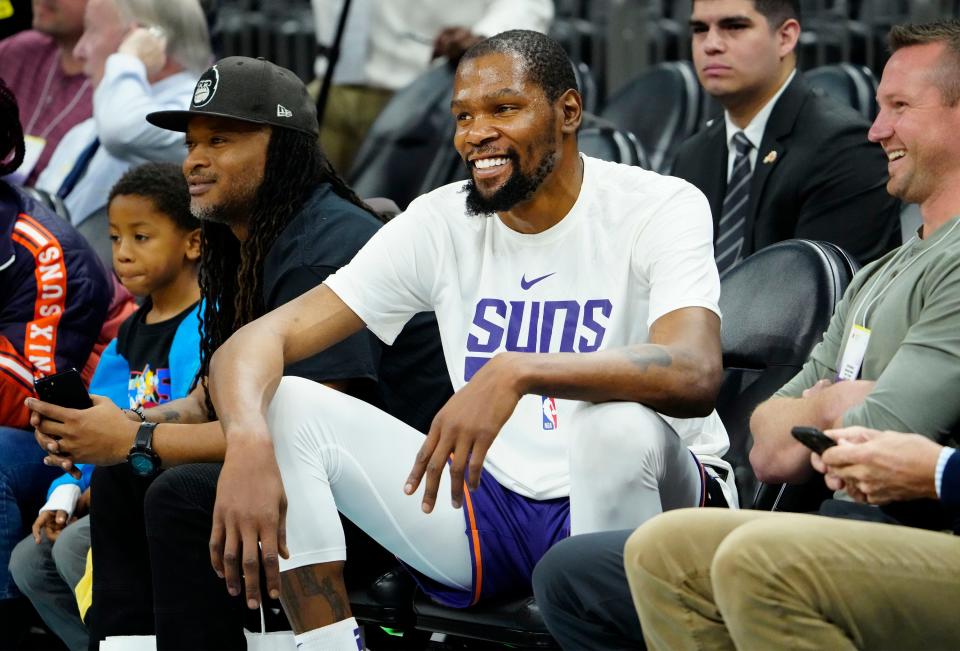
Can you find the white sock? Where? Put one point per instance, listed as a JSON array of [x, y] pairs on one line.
[[339, 636]]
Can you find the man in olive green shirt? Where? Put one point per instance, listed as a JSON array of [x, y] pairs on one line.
[[890, 360]]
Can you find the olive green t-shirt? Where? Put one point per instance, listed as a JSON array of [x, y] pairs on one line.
[[910, 301]]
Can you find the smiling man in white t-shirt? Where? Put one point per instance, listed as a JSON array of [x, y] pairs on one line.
[[577, 304]]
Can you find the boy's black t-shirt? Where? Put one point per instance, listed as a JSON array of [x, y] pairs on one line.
[[146, 347]]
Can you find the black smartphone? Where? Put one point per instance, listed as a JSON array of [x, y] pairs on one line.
[[64, 389], [813, 438]]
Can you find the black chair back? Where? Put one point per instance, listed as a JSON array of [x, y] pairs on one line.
[[776, 306], [853, 85], [662, 107], [407, 143], [601, 139]]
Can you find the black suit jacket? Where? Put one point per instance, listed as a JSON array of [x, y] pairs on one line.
[[825, 181]]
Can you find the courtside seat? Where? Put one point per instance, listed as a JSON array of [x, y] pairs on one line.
[[516, 622], [776, 306], [602, 139], [387, 601], [410, 138], [662, 107], [853, 85]]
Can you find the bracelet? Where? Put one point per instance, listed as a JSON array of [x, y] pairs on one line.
[[138, 410]]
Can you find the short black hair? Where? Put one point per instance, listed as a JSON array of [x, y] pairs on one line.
[[777, 12], [547, 63], [164, 184]]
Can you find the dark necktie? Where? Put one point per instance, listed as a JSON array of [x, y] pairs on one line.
[[79, 167], [730, 231]]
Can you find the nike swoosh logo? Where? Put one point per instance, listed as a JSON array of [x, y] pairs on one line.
[[527, 284]]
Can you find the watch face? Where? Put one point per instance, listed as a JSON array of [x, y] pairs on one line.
[[142, 464]]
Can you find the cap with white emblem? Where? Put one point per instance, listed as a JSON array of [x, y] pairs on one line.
[[252, 90]]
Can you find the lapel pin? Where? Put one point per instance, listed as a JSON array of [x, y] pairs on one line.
[[770, 158]]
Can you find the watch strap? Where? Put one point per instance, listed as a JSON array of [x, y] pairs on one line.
[[144, 438]]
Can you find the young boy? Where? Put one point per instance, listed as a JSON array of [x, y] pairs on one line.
[[154, 359]]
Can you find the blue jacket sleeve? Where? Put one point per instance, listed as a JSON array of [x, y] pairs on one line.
[[86, 471]]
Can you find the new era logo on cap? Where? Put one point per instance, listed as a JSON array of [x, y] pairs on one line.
[[283, 111]]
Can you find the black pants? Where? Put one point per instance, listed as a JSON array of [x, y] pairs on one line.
[[144, 528], [581, 589], [152, 571]]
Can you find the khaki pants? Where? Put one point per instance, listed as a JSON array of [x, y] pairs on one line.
[[350, 112], [712, 579]]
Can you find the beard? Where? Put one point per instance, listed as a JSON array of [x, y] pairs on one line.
[[518, 188], [233, 211]]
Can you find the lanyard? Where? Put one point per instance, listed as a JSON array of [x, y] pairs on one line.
[[867, 303], [43, 95]]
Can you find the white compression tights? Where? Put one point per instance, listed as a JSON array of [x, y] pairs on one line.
[[335, 451]]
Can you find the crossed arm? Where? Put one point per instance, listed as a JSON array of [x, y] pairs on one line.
[[776, 456]]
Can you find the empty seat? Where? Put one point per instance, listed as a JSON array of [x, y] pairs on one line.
[[662, 107], [853, 85], [408, 149], [601, 139]]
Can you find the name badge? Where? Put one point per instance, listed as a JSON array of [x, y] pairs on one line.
[[853, 353], [31, 155]]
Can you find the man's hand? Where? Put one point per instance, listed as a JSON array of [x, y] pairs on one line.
[[452, 42], [465, 428], [251, 508], [880, 467], [149, 44], [101, 435]]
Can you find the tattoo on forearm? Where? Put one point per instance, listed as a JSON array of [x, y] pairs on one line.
[[169, 416], [649, 356]]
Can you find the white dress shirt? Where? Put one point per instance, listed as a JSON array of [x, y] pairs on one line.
[[754, 130]]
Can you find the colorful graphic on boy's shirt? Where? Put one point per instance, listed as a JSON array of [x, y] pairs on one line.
[[149, 388]]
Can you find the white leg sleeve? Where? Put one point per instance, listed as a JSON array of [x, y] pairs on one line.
[[626, 466], [337, 452]]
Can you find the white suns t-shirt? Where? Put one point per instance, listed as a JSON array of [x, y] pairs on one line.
[[635, 246]]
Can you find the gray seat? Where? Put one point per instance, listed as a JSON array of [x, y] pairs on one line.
[[96, 231]]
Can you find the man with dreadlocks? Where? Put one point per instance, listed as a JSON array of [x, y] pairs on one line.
[[276, 220], [54, 298], [542, 256]]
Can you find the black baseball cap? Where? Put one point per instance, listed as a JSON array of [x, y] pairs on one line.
[[252, 90]]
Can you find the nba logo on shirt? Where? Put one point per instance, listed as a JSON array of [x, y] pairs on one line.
[[549, 408]]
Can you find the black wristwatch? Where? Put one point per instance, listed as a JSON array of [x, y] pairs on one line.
[[142, 459]]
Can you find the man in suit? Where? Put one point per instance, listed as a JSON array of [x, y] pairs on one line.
[[784, 161]]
